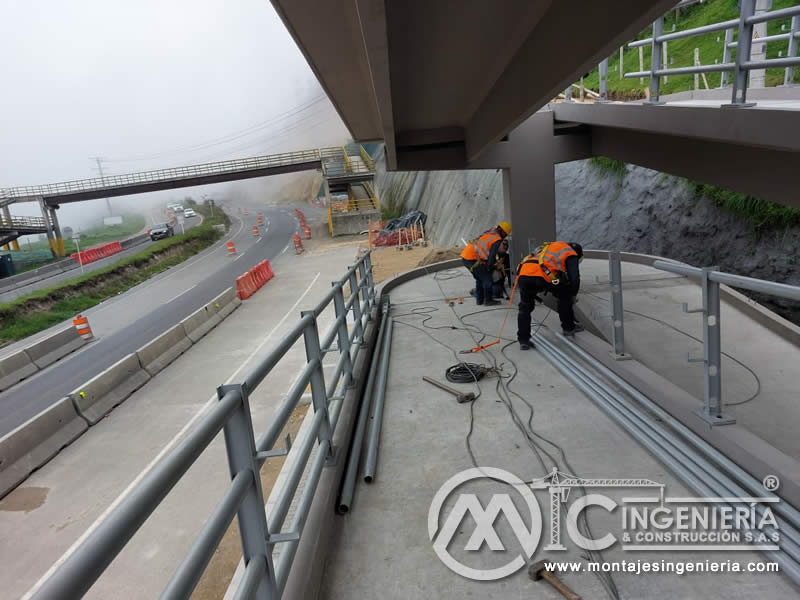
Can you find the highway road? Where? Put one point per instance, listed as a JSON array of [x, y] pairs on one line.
[[9, 294], [130, 320]]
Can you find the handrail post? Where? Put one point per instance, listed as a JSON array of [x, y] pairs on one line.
[[602, 73], [240, 445], [356, 291], [655, 61], [712, 353], [726, 57], [342, 337], [618, 312], [745, 42], [319, 397], [788, 78], [370, 278]]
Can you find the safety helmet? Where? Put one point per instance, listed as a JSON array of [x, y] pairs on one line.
[[505, 226], [578, 248]]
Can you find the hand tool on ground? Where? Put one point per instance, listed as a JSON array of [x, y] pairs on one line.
[[461, 397], [538, 570]]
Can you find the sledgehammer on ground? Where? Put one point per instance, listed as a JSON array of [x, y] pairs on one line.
[[461, 397], [538, 570]]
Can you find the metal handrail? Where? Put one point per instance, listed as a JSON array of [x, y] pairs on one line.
[[740, 68], [262, 580], [34, 192]]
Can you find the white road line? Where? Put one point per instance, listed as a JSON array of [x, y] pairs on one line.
[[181, 294], [239, 256], [171, 444]]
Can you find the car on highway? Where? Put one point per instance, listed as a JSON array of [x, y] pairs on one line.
[[189, 213], [161, 231]]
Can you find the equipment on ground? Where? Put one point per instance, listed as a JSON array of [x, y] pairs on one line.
[[461, 397], [538, 571]]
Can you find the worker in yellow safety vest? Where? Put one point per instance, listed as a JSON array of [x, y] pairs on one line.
[[553, 269], [479, 257]]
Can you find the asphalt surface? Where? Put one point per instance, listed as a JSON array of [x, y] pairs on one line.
[[142, 319], [7, 295]]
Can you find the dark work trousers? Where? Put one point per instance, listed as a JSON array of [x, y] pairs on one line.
[[528, 287], [483, 279]]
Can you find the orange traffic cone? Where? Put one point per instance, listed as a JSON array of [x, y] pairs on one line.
[[81, 323], [298, 244], [231, 249]]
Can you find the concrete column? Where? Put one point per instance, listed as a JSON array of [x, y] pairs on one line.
[[59, 241], [529, 204], [48, 226]]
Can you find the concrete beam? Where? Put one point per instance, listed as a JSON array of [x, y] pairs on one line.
[[595, 30], [768, 174], [753, 127], [329, 36]]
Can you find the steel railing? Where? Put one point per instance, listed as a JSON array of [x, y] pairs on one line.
[[710, 279], [246, 454], [743, 63], [23, 223]]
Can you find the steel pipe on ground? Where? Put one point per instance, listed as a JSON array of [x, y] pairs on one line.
[[380, 397], [661, 445], [349, 482]]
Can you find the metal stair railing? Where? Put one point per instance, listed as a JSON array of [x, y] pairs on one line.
[[262, 579], [23, 223]]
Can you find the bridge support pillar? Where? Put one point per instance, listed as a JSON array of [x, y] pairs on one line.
[[14, 244], [529, 203], [48, 224], [57, 239]]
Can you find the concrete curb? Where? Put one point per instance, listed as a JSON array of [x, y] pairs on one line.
[[98, 396], [54, 347], [14, 368], [36, 441], [159, 353]]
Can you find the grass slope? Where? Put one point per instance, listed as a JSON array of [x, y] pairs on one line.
[[681, 52]]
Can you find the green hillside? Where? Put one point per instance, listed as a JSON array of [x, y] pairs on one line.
[[681, 52]]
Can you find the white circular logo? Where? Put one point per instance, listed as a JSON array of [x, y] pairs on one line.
[[771, 483], [484, 522]]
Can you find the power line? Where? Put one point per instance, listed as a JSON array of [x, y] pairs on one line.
[[233, 136]]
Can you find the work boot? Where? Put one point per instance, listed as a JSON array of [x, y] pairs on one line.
[[571, 332], [490, 303], [478, 301], [526, 345]]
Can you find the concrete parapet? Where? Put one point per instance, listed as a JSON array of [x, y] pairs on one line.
[[157, 354], [15, 368], [54, 347], [95, 398], [36, 441]]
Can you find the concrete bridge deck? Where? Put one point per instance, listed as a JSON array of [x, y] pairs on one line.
[[383, 548]]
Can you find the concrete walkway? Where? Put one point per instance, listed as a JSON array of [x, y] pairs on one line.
[[384, 549], [657, 333], [51, 510]]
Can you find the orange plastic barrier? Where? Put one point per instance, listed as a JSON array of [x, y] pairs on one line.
[[81, 323], [92, 254], [249, 283]]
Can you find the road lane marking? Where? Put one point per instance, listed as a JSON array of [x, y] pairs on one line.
[[181, 294], [171, 444]]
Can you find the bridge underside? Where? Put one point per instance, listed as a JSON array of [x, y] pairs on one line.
[[420, 75]]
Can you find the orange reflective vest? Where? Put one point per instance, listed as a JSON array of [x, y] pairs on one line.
[[529, 267], [479, 249]]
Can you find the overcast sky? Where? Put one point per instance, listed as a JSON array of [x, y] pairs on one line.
[[149, 84]]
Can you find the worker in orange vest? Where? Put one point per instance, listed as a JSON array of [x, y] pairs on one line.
[[553, 268], [479, 256]]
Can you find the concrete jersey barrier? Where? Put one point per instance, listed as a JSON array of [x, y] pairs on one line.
[[159, 353], [204, 319], [54, 347], [14, 368], [95, 398], [36, 441]]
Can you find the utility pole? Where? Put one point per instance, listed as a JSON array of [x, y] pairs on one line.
[[99, 161]]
